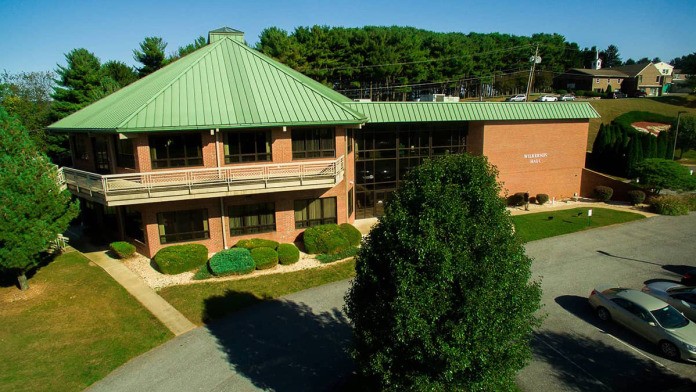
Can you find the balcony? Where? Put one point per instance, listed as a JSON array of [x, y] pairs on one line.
[[186, 184]]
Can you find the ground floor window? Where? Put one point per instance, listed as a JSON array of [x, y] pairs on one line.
[[133, 224], [313, 212], [252, 218], [350, 202], [177, 226]]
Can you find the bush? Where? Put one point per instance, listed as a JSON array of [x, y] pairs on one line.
[[669, 205], [180, 258], [254, 243], [350, 252], [690, 200], [561, 92], [235, 261], [516, 200], [288, 254], [603, 193], [542, 198], [265, 258], [353, 235], [122, 249], [327, 239], [203, 273], [636, 197]]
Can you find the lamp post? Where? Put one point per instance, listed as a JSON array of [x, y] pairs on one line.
[[676, 132]]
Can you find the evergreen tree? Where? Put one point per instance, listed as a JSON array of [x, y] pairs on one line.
[[79, 83], [662, 145], [120, 73], [151, 55], [33, 209], [188, 49], [635, 155], [439, 270], [611, 57]]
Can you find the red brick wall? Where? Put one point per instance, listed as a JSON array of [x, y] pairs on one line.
[[592, 179], [537, 157]]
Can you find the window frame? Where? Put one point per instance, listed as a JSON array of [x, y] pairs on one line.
[[189, 159], [124, 159], [245, 229], [184, 236], [304, 137], [306, 204], [241, 136]]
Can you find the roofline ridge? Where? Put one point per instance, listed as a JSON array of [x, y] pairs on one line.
[[166, 86], [270, 61]]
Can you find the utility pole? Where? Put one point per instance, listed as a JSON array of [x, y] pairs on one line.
[[535, 60], [676, 133]]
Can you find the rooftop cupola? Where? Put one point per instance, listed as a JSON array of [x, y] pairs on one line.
[[221, 33]]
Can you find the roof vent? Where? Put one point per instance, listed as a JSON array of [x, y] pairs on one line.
[[221, 33]]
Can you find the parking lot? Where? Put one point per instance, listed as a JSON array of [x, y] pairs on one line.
[[574, 350]]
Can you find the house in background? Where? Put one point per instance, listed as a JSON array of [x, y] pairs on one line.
[[585, 79], [227, 143], [644, 77], [666, 71]]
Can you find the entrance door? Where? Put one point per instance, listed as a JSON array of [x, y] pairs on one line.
[[101, 155]]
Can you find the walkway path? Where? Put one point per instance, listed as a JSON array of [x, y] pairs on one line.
[[170, 317]]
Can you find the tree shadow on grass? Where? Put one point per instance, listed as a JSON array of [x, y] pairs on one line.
[[282, 345], [9, 278], [587, 363]]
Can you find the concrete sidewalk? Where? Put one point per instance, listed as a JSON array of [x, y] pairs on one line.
[[166, 313]]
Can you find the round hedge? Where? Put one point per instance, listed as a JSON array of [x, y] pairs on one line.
[[352, 234], [235, 261], [176, 259], [265, 258], [636, 196], [254, 243], [603, 193], [542, 198], [288, 254], [122, 249]]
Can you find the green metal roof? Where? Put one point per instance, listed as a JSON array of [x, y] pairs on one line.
[[225, 84], [394, 112]]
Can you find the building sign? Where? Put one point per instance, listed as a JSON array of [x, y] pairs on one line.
[[536, 158]]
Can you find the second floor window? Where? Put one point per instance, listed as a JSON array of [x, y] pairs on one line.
[[124, 153], [313, 143], [176, 150], [247, 146]]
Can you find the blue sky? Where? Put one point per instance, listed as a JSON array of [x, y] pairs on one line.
[[37, 34]]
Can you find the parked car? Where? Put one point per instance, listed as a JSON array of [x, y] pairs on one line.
[[683, 298], [547, 98], [616, 94], [568, 97], [689, 278], [649, 317], [517, 98], [640, 94]]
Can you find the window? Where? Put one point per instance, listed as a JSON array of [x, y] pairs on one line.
[[80, 148], [349, 140], [176, 150], [350, 202], [596, 81], [657, 79], [313, 143], [313, 212], [247, 146], [124, 153], [253, 218], [180, 226], [133, 224]]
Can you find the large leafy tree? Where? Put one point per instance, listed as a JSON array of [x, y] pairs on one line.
[[151, 55], [442, 299], [657, 174], [33, 209]]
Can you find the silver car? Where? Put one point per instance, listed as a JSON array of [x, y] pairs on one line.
[[649, 317], [681, 297]]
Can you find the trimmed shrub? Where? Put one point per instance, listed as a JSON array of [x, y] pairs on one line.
[[176, 259], [542, 198], [288, 254], [635, 196], [353, 235], [690, 200], [516, 200], [327, 239], [122, 249], [265, 258], [603, 193], [334, 242], [350, 252], [254, 243], [669, 205], [203, 273], [234, 261]]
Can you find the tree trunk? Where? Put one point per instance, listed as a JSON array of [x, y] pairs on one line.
[[22, 280]]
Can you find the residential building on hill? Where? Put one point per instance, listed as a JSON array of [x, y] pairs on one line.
[[597, 80], [226, 143], [644, 77]]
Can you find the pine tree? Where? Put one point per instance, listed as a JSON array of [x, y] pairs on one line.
[[151, 55]]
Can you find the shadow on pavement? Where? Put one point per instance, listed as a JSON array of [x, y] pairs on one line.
[[677, 269], [282, 345], [627, 258]]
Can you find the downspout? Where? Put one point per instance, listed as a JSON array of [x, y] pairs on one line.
[[222, 204]]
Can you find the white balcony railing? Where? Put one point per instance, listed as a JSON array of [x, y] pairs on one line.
[[121, 189]]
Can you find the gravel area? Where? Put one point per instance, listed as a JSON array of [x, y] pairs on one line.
[[144, 268]]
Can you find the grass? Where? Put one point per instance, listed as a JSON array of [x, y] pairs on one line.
[[532, 227], [204, 302], [71, 328]]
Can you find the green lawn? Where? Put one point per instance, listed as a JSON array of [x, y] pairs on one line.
[[531, 227], [71, 328], [204, 302]]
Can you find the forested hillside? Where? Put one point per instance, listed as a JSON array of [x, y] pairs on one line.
[[402, 63]]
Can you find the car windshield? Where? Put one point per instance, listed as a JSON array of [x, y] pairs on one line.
[[668, 317]]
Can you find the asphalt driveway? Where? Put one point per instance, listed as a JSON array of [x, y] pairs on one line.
[[298, 343]]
